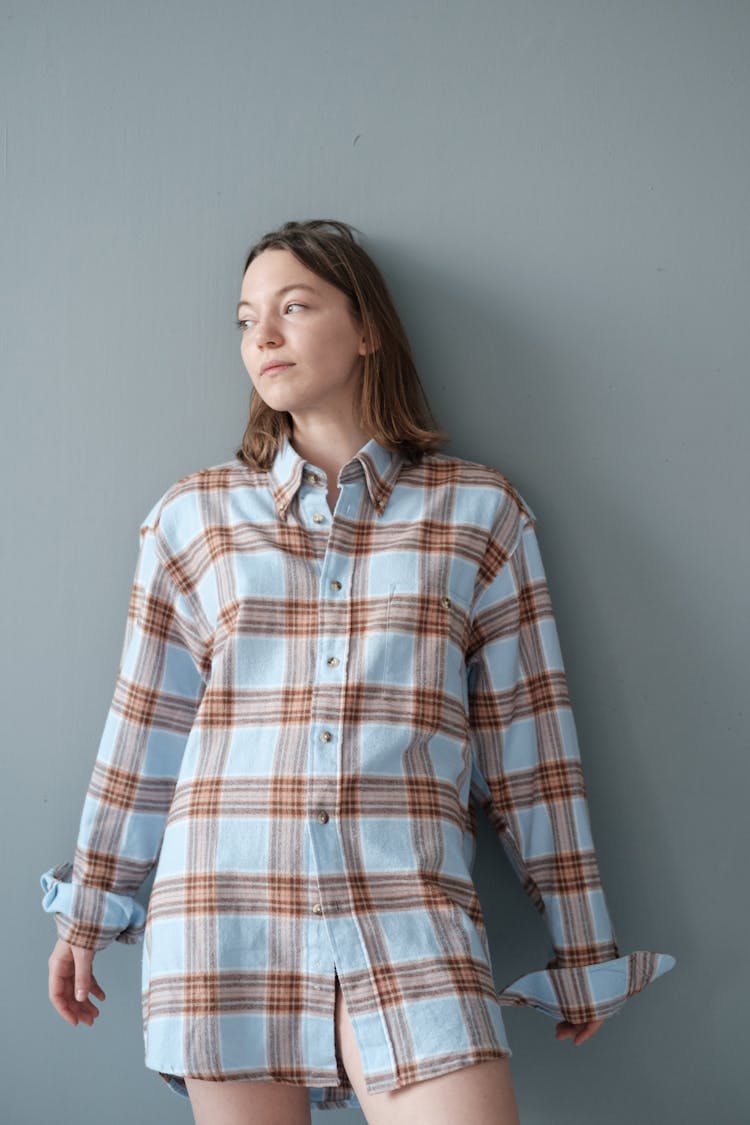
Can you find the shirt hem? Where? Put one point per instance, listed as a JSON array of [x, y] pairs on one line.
[[411, 1073], [322, 1086]]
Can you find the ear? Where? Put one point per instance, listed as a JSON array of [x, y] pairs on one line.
[[368, 349]]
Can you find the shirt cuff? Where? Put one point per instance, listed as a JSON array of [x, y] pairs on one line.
[[587, 992], [87, 916]]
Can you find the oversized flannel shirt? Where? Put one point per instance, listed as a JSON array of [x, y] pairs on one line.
[[309, 705]]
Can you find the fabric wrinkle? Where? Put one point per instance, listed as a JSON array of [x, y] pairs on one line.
[[309, 709]]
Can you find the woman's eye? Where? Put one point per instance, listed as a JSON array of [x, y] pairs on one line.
[[249, 323]]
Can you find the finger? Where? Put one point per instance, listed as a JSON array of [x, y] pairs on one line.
[[83, 959], [587, 1031], [578, 1032], [60, 986], [63, 1009], [87, 1012], [97, 989], [76, 1011], [85, 982], [62, 982]]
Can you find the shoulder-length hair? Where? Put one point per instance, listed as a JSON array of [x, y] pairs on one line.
[[391, 401]]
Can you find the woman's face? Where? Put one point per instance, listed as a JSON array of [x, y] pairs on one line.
[[301, 344]]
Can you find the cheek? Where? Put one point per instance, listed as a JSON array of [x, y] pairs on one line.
[[340, 348], [245, 352]]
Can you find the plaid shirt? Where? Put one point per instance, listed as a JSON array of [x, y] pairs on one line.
[[308, 707]]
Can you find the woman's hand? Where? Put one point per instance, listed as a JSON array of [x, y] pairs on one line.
[[70, 982], [578, 1032]]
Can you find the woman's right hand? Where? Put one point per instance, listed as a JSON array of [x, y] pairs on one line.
[[70, 982]]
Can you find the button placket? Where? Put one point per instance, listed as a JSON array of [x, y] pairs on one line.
[[323, 777], [313, 495], [335, 565]]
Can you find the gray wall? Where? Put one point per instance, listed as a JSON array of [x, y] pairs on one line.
[[558, 195]]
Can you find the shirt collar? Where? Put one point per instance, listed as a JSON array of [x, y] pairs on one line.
[[380, 467]]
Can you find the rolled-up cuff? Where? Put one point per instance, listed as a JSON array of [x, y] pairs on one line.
[[587, 992], [87, 916]]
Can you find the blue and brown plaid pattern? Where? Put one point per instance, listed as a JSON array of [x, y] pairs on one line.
[[308, 708]]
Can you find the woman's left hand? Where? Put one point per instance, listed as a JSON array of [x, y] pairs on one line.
[[578, 1032]]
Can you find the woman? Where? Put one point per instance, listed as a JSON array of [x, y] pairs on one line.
[[338, 643]]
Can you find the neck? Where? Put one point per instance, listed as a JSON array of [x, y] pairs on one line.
[[328, 444]]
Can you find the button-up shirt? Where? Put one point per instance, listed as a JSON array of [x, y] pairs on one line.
[[309, 707]]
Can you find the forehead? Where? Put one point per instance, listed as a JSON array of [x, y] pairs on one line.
[[274, 270]]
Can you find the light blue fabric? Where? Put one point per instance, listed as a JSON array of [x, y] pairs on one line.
[[307, 704], [119, 913], [606, 985]]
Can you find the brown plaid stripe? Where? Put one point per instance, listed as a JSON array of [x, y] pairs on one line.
[[121, 789], [304, 706]]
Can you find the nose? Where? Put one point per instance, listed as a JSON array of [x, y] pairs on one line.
[[267, 332]]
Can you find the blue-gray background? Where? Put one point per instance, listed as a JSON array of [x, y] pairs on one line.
[[558, 194]]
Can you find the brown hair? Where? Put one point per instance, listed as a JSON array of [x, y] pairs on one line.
[[391, 401]]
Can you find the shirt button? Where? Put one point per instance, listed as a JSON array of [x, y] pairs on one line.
[[445, 603], [323, 816], [317, 909], [326, 736], [333, 661], [335, 585], [318, 518]]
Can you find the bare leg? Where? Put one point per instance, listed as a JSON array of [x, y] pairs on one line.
[[248, 1103], [482, 1094]]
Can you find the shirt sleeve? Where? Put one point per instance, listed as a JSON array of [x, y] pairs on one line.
[[162, 673], [527, 775]]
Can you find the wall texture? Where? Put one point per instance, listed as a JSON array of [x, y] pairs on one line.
[[559, 196]]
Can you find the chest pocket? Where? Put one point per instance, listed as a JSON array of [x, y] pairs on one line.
[[426, 637]]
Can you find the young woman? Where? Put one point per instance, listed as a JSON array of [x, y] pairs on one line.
[[338, 643]]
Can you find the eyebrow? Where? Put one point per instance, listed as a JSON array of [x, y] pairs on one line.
[[279, 293]]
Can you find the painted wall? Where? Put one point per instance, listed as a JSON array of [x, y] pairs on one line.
[[558, 196]]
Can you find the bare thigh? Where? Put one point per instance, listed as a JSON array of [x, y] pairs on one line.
[[248, 1103], [482, 1093]]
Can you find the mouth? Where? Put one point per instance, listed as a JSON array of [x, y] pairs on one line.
[[274, 368]]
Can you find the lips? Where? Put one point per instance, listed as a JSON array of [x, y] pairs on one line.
[[274, 367]]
